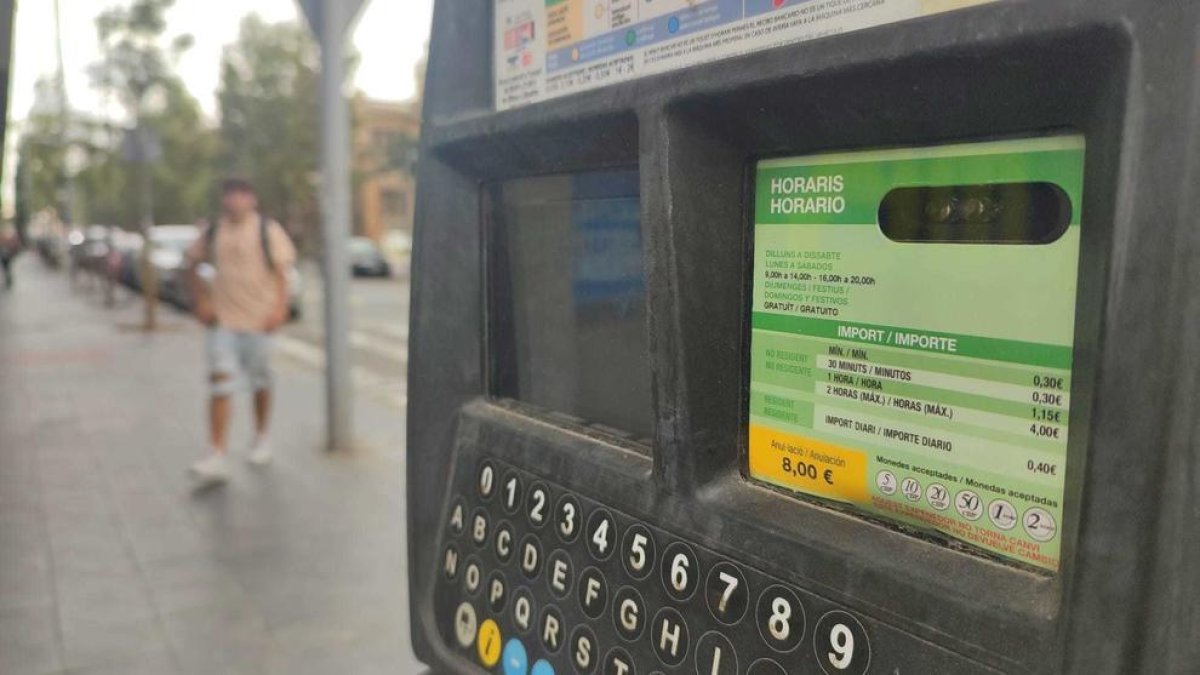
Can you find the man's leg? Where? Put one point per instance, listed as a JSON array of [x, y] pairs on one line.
[[262, 411], [218, 416], [8, 275], [257, 361], [222, 366]]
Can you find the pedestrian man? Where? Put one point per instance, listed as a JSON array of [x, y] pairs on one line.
[[237, 271], [10, 246]]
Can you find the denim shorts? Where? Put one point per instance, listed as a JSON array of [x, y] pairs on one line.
[[243, 358]]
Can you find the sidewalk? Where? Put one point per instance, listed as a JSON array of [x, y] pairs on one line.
[[109, 563]]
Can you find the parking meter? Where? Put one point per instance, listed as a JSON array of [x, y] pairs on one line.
[[807, 336]]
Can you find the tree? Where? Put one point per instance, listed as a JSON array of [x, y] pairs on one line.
[[138, 68], [41, 164], [269, 118]]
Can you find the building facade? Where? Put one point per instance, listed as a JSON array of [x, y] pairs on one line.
[[385, 152]]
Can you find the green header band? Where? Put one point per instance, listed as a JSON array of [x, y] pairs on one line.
[[850, 193], [994, 349]]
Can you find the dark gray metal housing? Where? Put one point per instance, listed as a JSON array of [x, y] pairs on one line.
[[1124, 73]]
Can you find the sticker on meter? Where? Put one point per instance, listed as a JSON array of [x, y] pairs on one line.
[[912, 335]]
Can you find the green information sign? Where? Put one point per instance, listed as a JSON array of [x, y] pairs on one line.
[[913, 325]]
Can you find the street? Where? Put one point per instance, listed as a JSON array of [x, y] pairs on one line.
[[379, 336], [111, 563]]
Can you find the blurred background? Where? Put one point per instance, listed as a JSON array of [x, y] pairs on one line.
[[123, 117]]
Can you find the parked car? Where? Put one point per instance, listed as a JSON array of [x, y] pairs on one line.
[[168, 244], [89, 248], [397, 246], [367, 259], [295, 282], [125, 258]]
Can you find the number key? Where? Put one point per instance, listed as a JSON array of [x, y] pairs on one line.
[[512, 492], [487, 480], [726, 593], [537, 505], [841, 644], [780, 618], [638, 551], [568, 518], [601, 532], [680, 570]]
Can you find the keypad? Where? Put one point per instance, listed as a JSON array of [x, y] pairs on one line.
[[536, 578]]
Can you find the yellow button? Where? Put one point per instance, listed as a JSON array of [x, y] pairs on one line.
[[489, 643]]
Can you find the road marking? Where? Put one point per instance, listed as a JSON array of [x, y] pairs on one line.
[[398, 331], [393, 350], [392, 391]]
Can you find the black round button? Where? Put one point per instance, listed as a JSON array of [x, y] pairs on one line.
[[584, 650], [487, 480], [503, 543], [560, 573], [472, 576], [715, 655], [601, 534], [638, 551], [537, 505], [618, 662], [766, 667], [841, 644], [458, 517], [568, 518], [523, 610], [552, 631], [450, 562], [511, 492], [592, 592], [669, 636], [479, 527], [680, 571], [629, 613], [780, 618], [726, 593], [496, 592], [531, 556]]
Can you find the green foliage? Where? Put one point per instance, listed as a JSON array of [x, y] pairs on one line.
[[41, 167], [269, 117], [138, 69]]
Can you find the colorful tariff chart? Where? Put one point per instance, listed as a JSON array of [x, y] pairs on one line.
[[551, 48], [921, 371]]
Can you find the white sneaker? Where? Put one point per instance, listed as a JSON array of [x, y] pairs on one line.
[[260, 454], [211, 470]]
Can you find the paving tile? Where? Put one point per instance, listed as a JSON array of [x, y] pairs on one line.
[[91, 642], [221, 640], [117, 597], [153, 663], [28, 641], [109, 563], [194, 582], [152, 544]]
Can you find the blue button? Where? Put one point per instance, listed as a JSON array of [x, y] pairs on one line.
[[515, 661], [542, 667]]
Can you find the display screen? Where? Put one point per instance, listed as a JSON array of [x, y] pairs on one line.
[[912, 336], [567, 308]]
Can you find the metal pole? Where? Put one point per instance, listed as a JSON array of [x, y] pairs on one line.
[[146, 200], [66, 204], [335, 217]]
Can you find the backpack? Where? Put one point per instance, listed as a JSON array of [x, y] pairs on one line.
[[210, 240]]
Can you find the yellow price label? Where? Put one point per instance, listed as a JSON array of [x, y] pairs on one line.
[[808, 465], [489, 643]]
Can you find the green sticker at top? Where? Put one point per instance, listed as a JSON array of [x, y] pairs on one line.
[[912, 334]]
